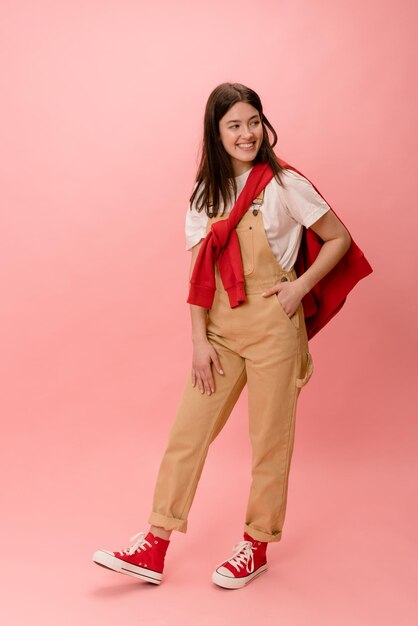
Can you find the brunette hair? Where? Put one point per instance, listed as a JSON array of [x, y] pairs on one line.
[[215, 177]]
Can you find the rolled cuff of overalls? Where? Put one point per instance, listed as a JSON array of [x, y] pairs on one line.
[[168, 523], [260, 535]]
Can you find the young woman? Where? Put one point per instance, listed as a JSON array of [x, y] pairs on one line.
[[247, 217]]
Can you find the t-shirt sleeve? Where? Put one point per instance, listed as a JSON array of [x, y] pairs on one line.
[[302, 202], [195, 226]]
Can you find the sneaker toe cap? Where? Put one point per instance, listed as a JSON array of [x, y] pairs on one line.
[[105, 557], [224, 571]]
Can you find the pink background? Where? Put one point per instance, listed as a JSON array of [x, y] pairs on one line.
[[101, 122]]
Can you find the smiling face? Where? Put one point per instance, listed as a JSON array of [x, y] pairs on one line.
[[241, 134]]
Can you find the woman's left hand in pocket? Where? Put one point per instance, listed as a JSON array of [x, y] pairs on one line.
[[289, 294]]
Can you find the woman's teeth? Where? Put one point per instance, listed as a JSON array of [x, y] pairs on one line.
[[246, 146]]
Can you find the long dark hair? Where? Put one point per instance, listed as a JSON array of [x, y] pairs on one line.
[[215, 179]]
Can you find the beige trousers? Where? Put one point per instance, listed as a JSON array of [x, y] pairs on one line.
[[259, 345]]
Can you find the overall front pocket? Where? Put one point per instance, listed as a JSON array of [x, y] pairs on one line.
[[293, 319], [246, 243], [307, 368]]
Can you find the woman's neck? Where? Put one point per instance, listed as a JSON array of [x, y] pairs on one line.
[[240, 168]]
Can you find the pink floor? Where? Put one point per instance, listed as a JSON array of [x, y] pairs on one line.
[[81, 478]]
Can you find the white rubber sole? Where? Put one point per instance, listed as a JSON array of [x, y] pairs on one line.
[[230, 582], [109, 560]]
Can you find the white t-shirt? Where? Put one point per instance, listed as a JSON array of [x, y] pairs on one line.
[[284, 210]]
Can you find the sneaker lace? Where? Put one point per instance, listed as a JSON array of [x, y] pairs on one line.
[[138, 545], [243, 555]]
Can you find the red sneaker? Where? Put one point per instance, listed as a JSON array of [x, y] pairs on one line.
[[248, 562], [144, 559]]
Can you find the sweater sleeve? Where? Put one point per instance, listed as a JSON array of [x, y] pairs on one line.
[[302, 202]]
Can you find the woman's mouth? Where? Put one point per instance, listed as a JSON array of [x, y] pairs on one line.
[[246, 146]]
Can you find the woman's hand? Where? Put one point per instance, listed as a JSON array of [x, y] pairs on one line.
[[289, 294], [337, 241], [203, 355]]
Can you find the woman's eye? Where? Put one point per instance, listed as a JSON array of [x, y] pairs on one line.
[[256, 122]]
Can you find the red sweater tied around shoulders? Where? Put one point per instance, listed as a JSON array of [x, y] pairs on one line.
[[221, 246]]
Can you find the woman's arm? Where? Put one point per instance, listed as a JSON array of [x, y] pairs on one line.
[[203, 351], [337, 241]]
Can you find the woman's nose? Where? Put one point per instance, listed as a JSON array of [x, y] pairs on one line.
[[246, 132]]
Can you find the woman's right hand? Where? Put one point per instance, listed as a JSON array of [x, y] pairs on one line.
[[203, 355]]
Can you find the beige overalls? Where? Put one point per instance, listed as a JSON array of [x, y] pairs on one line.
[[258, 344]]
